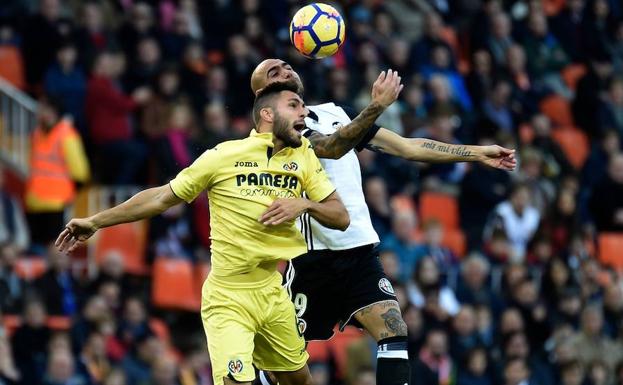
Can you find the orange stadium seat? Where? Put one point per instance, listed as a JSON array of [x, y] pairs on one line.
[[11, 322], [160, 328], [557, 110], [58, 322], [553, 7], [454, 239], [30, 268], [12, 66], [442, 207], [318, 351], [611, 249], [572, 73], [130, 240], [172, 285], [338, 346], [574, 143], [201, 271]]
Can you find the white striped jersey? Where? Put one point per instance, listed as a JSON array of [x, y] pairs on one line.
[[345, 174]]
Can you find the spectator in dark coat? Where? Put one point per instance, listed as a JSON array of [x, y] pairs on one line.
[[30, 343], [606, 202], [67, 82], [57, 287]]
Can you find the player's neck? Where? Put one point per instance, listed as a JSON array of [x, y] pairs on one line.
[[278, 144]]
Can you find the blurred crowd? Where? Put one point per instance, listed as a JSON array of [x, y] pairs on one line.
[[144, 87]]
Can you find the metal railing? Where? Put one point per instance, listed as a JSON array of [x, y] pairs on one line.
[[18, 117]]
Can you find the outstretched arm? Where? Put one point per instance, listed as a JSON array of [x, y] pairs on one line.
[[384, 92], [145, 204], [432, 151]]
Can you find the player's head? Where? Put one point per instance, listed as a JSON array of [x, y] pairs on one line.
[[273, 70], [279, 107]]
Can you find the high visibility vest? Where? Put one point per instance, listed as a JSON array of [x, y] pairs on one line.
[[50, 179]]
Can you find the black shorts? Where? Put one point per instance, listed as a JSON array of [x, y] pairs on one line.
[[328, 287]]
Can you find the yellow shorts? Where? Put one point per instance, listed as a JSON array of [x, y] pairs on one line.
[[246, 326]]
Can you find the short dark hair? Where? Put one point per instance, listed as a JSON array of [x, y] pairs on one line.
[[264, 97]]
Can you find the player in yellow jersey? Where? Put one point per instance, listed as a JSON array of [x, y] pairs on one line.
[[255, 188]]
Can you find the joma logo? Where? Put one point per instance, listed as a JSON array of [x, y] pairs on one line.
[[245, 164]]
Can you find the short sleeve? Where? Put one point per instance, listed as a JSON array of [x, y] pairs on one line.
[[317, 184], [195, 178]]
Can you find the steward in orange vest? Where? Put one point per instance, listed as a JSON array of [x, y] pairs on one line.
[[57, 161]]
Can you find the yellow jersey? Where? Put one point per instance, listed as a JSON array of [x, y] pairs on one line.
[[243, 178]]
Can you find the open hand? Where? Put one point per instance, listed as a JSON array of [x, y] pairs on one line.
[[283, 210], [386, 88], [76, 232], [499, 157]]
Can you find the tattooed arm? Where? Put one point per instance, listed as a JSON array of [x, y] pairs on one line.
[[432, 151], [384, 92]]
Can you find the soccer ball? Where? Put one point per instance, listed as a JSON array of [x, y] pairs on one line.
[[317, 30]]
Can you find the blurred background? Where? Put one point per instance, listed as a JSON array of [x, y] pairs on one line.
[[503, 278]]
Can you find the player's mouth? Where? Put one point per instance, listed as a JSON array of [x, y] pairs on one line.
[[299, 126]]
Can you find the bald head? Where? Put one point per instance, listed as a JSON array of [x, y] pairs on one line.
[[273, 70]]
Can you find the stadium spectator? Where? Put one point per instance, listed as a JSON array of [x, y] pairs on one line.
[[8, 370], [61, 370], [93, 363], [139, 24], [431, 246], [587, 101], [57, 287], [422, 49], [474, 284], [545, 55], [517, 218], [156, 113], [67, 81], [433, 365], [611, 111], [134, 324], [475, 368], [94, 32], [138, 362], [87, 322], [43, 32], [500, 39], [480, 78], [606, 202], [567, 27], [14, 232], [556, 161], [590, 342], [401, 242], [496, 106], [464, 333], [30, 342], [516, 372], [426, 288], [108, 116], [57, 162], [12, 287], [11, 60], [145, 64]]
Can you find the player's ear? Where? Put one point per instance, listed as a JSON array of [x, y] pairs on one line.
[[267, 114]]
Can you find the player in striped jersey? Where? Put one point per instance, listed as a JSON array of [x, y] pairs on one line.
[[340, 279]]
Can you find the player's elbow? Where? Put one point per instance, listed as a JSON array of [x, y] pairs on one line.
[[343, 220]]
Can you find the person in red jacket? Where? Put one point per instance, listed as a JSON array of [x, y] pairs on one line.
[[109, 117]]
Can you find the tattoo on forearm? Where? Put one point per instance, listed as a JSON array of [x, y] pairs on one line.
[[375, 148], [348, 136], [448, 149]]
